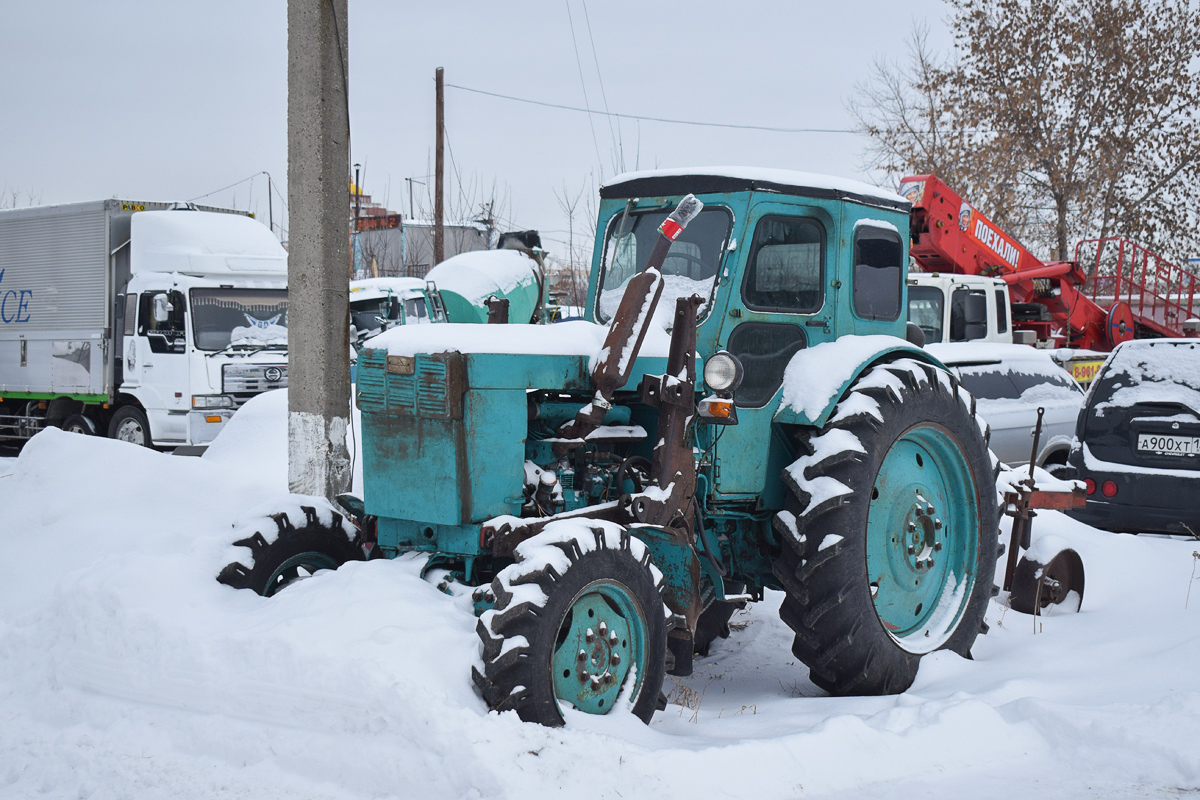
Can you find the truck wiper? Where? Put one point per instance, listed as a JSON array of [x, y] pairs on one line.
[[244, 349]]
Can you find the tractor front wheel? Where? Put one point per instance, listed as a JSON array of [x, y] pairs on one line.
[[293, 553], [579, 622], [890, 531]]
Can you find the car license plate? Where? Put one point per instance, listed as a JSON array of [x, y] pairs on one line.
[[1169, 445]]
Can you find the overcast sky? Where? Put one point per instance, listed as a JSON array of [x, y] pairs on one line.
[[171, 100]]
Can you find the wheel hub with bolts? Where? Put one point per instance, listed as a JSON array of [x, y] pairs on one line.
[[923, 534], [920, 538], [131, 431], [593, 653]]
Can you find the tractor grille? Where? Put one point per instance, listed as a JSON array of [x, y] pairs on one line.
[[421, 386]]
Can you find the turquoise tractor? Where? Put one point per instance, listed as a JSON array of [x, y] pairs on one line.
[[611, 495]]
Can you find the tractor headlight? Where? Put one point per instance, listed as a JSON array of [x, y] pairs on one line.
[[723, 372]]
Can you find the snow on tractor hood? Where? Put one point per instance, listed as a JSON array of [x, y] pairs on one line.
[[574, 338], [203, 243]]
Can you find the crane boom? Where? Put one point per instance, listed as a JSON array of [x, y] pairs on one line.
[[1055, 299]]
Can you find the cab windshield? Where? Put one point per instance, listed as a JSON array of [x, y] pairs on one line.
[[690, 268], [250, 318]]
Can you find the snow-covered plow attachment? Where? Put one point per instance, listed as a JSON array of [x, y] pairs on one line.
[[1046, 574], [741, 411]]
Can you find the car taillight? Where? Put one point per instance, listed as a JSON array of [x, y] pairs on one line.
[[1090, 485], [1108, 488]]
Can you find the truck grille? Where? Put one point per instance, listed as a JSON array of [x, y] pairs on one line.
[[252, 378], [423, 386]]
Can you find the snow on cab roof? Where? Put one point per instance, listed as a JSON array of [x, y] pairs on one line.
[[378, 288], [706, 180]]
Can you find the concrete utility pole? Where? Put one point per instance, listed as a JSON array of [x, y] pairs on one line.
[[439, 230], [319, 253]]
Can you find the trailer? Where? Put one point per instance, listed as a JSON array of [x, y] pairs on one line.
[[146, 322]]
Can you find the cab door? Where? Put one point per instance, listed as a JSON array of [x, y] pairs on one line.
[[784, 301], [162, 363]]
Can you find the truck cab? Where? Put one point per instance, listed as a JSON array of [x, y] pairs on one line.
[[959, 308], [146, 322], [377, 304]]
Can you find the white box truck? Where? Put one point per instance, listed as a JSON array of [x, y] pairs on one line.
[[146, 322]]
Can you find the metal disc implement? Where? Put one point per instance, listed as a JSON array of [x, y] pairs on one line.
[[921, 539], [599, 641]]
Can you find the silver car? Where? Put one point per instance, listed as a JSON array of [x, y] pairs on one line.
[[1010, 382]]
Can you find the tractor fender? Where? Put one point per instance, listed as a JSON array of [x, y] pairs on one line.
[[816, 378]]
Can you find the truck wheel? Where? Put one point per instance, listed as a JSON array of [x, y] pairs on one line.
[[78, 423], [579, 621], [889, 531], [293, 554], [129, 424]]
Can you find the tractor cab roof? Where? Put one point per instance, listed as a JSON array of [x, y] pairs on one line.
[[711, 180]]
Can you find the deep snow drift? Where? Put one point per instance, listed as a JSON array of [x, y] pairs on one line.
[[126, 670]]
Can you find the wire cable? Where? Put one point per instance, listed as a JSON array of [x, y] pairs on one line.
[[223, 188], [697, 123], [616, 137], [583, 83]]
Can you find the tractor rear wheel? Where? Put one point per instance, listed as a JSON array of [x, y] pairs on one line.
[[293, 554], [890, 531], [580, 622]]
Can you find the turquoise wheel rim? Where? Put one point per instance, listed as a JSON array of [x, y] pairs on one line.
[[290, 571], [922, 539], [601, 637]]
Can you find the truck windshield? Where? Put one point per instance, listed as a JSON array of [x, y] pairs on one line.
[[251, 318], [690, 268]]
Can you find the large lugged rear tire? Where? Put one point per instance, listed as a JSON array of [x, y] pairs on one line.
[[890, 531], [579, 620], [294, 553]]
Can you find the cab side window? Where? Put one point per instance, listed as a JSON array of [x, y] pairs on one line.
[[165, 335], [786, 265], [878, 273]]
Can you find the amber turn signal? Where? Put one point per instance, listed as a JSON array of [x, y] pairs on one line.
[[716, 407]]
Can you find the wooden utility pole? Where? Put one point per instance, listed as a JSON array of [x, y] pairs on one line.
[[439, 230], [319, 252]]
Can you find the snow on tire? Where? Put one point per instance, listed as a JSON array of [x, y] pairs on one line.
[[889, 531], [579, 621], [281, 557]]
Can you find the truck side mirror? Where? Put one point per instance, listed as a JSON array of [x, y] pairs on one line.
[[162, 307], [968, 315], [976, 316]]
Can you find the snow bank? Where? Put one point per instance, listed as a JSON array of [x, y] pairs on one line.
[[126, 670]]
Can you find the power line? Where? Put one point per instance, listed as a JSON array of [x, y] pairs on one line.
[[223, 188], [617, 143], [583, 83], [619, 115]]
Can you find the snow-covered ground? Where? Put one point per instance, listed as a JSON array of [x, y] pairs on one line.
[[127, 671]]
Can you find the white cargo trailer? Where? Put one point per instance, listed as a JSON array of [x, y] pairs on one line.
[[147, 322]]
